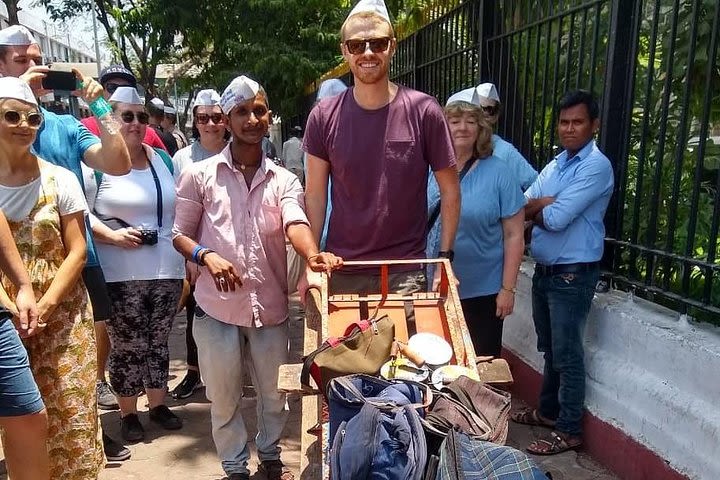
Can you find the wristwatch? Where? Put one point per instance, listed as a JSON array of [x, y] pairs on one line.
[[512, 290], [449, 254]]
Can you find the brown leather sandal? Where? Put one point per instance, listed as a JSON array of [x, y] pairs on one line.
[[554, 443], [531, 416]]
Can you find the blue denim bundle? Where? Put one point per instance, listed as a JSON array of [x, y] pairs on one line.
[[375, 429]]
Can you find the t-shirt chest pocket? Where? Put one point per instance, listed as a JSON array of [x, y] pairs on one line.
[[400, 152]]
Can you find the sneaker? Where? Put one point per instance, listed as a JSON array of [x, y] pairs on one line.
[[114, 451], [275, 470], [105, 397], [189, 384], [166, 418], [131, 429]]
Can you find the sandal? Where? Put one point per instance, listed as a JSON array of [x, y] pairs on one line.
[[530, 416], [554, 443]]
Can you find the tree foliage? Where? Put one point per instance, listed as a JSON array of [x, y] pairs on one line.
[[141, 34]]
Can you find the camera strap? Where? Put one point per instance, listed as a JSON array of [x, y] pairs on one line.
[[158, 192]]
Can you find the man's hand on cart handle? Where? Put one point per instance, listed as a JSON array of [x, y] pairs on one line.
[[324, 262]]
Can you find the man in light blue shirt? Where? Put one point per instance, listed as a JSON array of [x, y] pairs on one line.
[[566, 205]]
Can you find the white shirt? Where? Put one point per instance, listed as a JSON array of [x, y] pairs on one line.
[[133, 199], [17, 202]]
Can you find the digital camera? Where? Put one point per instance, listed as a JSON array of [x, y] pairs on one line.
[[148, 237]]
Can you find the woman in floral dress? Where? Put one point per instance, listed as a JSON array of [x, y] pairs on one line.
[[45, 207]]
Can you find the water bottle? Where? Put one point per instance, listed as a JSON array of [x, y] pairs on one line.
[[102, 110]]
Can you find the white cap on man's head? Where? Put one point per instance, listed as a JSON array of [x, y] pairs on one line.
[[157, 103], [489, 91], [207, 98], [240, 90], [17, 35], [469, 95], [126, 95], [169, 110], [330, 88], [377, 7], [12, 87]]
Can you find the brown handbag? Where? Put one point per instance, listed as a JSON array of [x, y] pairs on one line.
[[364, 348]]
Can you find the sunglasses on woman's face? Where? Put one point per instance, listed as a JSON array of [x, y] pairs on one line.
[[128, 116], [204, 118], [376, 45], [491, 111], [13, 118]]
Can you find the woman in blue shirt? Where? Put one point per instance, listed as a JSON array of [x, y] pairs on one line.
[[489, 243]]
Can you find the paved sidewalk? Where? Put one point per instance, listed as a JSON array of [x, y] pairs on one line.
[[190, 453]]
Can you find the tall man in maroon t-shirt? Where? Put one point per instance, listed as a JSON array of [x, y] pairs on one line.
[[378, 141]]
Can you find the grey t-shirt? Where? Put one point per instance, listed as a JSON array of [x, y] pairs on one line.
[[379, 163], [192, 153]]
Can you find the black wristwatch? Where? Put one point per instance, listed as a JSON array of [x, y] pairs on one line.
[[449, 254]]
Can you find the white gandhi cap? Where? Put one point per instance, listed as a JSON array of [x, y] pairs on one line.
[[17, 35], [126, 95], [469, 95], [489, 91], [330, 88], [207, 98], [240, 90], [377, 7], [12, 87]]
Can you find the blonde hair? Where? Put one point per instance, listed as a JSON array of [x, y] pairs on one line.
[[483, 144], [370, 16]]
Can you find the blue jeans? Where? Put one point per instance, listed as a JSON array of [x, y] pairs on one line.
[[561, 304], [19, 395], [224, 351]]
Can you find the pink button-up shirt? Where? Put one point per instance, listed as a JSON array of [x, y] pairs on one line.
[[247, 228]]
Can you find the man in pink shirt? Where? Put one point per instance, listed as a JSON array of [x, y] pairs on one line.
[[232, 214], [111, 78]]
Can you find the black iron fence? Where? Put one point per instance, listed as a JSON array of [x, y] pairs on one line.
[[655, 66]]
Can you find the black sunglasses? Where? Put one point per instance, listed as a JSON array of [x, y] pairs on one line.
[[203, 118], [110, 87], [128, 116], [13, 118], [376, 45], [490, 111]]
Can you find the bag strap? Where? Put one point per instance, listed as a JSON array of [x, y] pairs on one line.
[[432, 218]]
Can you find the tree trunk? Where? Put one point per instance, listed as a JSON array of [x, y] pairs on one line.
[[12, 8]]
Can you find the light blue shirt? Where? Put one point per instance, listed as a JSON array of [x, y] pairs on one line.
[[520, 168], [574, 229], [489, 194], [63, 140]]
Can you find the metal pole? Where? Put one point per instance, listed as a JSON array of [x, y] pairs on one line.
[[97, 44]]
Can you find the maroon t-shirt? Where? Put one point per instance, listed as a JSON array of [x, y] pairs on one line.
[[379, 164]]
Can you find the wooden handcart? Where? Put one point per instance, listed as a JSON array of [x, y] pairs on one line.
[[438, 312]]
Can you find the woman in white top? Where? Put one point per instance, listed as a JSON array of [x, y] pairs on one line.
[[211, 138], [133, 221], [45, 208]]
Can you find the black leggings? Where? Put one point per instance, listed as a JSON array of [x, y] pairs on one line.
[[485, 328], [190, 345]]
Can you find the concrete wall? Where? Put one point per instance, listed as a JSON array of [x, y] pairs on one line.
[[650, 374]]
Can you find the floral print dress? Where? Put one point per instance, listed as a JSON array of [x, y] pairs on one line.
[[63, 355]]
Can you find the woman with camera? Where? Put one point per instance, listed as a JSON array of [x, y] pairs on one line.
[[45, 208], [133, 221]]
